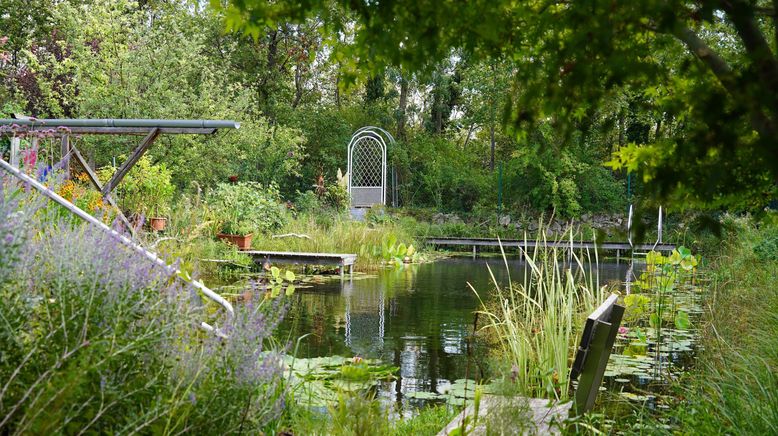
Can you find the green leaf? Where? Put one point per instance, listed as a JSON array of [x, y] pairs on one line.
[[682, 321], [290, 276], [290, 290], [275, 271]]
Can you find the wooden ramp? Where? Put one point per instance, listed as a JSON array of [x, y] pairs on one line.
[[294, 258]]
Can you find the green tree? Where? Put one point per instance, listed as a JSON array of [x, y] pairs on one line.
[[713, 58]]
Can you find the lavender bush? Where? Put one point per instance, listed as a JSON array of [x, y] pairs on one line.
[[95, 339]]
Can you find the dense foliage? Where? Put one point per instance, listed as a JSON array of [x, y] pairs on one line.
[[701, 75], [293, 89], [247, 207]]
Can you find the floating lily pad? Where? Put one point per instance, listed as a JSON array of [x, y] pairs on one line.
[[423, 395]]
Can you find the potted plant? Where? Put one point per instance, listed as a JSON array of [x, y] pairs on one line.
[[246, 207], [157, 219], [236, 232], [145, 191], [159, 193]]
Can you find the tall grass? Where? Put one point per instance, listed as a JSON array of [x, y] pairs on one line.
[[734, 389], [536, 321], [192, 227], [334, 234]]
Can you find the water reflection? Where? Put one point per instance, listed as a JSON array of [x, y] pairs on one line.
[[417, 318]]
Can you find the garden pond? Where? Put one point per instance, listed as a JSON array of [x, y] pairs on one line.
[[409, 328]]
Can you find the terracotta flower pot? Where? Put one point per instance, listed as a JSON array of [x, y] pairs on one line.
[[157, 223], [242, 241]]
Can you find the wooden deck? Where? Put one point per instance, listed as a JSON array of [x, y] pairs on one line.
[[489, 242], [295, 258]]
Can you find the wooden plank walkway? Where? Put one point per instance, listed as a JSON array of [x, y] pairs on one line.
[[295, 258], [490, 242]]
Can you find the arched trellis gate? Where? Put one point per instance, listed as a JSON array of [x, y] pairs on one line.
[[367, 166]]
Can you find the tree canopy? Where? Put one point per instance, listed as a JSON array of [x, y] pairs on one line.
[[706, 72]]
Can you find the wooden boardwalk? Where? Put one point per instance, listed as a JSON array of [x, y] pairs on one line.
[[294, 258], [511, 243]]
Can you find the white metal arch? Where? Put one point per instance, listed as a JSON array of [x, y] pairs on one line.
[[367, 166]]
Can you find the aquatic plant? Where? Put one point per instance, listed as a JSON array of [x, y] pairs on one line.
[[391, 251], [319, 381], [536, 321], [663, 278]]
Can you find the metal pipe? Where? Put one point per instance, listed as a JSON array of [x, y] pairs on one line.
[[109, 122], [119, 237]]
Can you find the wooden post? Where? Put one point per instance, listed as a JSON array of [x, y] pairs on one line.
[[474, 252], [65, 151], [15, 145], [131, 161], [618, 256], [96, 182]]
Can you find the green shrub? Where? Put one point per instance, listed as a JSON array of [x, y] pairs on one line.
[[146, 190], [307, 202], [247, 207], [767, 247], [337, 195]]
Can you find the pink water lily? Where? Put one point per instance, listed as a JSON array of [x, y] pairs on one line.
[[623, 330]]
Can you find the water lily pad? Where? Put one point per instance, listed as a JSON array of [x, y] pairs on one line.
[[423, 395]]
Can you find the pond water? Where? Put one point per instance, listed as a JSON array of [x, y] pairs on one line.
[[416, 318]]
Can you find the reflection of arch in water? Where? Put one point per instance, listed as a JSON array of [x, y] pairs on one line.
[[365, 318]]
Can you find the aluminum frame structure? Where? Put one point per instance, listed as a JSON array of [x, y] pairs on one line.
[[366, 175], [63, 128], [170, 269]]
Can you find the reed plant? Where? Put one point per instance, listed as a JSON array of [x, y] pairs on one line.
[[537, 320]]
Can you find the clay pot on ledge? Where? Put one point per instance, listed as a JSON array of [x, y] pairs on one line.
[[157, 223], [242, 241]]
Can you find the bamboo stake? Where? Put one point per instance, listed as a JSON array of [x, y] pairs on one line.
[[119, 237]]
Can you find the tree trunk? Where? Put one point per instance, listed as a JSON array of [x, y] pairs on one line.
[[438, 115], [337, 87], [491, 141], [403, 107], [298, 86], [493, 113]]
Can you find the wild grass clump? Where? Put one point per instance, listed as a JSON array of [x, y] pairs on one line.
[[536, 322], [335, 234], [734, 389], [95, 339]]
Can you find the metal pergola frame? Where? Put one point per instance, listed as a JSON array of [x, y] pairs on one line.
[[379, 135], [150, 129]]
